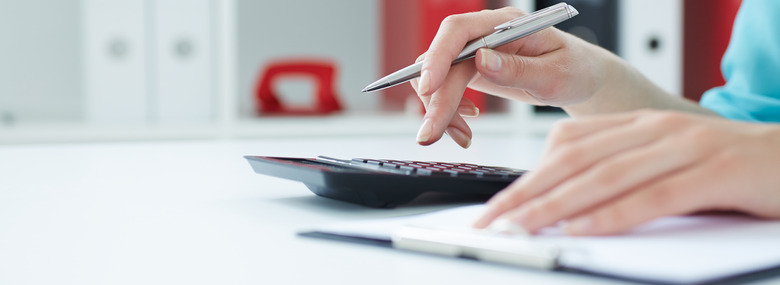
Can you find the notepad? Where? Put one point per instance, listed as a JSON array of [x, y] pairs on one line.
[[685, 249]]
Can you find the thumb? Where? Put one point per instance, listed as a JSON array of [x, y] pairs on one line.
[[510, 70]]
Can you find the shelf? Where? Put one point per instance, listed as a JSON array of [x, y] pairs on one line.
[[269, 127]]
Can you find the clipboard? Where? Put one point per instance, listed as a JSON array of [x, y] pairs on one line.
[[671, 250]]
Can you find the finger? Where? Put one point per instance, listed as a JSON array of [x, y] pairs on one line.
[[453, 34], [500, 203], [607, 180], [570, 130], [563, 163], [467, 108], [442, 105], [457, 128], [415, 81], [459, 131], [678, 193]]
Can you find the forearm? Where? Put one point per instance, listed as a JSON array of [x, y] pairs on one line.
[[626, 89]]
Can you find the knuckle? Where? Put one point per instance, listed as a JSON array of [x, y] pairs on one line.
[[664, 118], [504, 202], [420, 58], [514, 11], [515, 69], [453, 21], [662, 197], [729, 159], [519, 64], [611, 216], [433, 54], [571, 154], [698, 135], [548, 207], [562, 129], [610, 174]]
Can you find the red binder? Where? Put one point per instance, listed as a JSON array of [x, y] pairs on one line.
[[706, 34], [405, 22]]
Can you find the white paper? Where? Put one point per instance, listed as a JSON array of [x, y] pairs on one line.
[[688, 249]]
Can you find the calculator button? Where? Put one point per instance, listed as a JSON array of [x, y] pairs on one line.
[[468, 174], [432, 168], [389, 165]]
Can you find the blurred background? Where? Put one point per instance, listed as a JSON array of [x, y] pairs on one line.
[[97, 70]]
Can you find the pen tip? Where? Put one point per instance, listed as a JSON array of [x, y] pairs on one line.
[[376, 86]]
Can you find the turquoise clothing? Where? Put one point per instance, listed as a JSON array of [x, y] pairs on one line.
[[751, 66]]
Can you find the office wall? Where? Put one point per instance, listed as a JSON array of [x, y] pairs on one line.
[[40, 61]]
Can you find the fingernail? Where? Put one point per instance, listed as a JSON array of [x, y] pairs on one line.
[[459, 137], [424, 134], [490, 60], [468, 111], [506, 226], [579, 226], [487, 216], [425, 81]]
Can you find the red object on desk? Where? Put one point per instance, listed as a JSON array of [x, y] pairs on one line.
[[324, 74], [408, 27]]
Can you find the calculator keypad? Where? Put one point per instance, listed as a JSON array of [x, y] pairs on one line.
[[443, 168]]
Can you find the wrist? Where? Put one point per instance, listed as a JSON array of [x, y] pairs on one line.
[[611, 74]]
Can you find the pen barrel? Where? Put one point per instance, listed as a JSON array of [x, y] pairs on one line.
[[497, 39], [502, 37]]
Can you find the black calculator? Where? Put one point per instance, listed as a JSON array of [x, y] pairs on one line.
[[385, 183]]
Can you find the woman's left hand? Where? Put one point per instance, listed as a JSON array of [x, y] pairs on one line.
[[606, 174]]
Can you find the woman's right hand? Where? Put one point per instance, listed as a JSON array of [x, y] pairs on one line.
[[549, 67]]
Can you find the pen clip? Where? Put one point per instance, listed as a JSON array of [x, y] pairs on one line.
[[528, 18]]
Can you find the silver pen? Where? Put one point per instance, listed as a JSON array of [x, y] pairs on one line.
[[505, 33]]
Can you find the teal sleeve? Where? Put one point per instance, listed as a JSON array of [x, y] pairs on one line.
[[751, 66]]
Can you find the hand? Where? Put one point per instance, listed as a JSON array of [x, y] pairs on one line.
[[549, 67], [607, 174]]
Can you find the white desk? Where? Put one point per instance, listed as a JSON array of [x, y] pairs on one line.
[[195, 213]]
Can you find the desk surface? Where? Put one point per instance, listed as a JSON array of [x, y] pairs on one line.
[[195, 213]]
